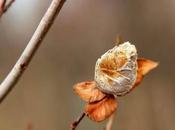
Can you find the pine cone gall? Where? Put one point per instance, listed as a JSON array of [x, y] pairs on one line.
[[116, 70]]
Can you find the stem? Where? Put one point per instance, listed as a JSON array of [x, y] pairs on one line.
[[22, 63], [76, 123], [5, 6], [3, 3], [110, 122]]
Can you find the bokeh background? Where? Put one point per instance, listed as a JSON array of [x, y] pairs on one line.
[[43, 99]]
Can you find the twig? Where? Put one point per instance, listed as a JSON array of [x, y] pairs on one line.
[[119, 40], [22, 63], [5, 6], [2, 4], [110, 122], [30, 126], [75, 123]]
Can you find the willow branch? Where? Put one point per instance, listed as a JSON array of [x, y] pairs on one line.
[[38, 36], [76, 123], [5, 6], [8, 5], [2, 4], [110, 122]]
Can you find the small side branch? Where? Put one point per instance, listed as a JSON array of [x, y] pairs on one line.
[[5, 5], [22, 63], [110, 122], [76, 123], [8, 5], [2, 5]]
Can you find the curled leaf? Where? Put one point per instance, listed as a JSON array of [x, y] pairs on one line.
[[144, 67], [101, 110], [88, 91]]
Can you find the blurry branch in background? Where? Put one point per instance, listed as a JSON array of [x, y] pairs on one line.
[[38, 36], [30, 126], [8, 5], [2, 3], [5, 5], [110, 122]]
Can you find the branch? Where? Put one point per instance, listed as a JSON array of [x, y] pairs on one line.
[[8, 5], [4, 6], [22, 63], [76, 123], [110, 122]]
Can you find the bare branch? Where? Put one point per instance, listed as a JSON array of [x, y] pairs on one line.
[[22, 63], [76, 123], [30, 126], [110, 122], [2, 3], [5, 6]]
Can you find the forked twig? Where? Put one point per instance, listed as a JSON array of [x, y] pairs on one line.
[[110, 122], [75, 123], [22, 63]]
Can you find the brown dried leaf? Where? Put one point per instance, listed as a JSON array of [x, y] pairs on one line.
[[144, 66], [101, 110], [88, 91]]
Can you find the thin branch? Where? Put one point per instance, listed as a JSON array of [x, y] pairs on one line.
[[2, 4], [110, 122], [30, 126], [76, 123], [5, 6], [22, 63], [8, 5]]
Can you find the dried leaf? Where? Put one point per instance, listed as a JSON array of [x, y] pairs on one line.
[[144, 66], [88, 91], [101, 110]]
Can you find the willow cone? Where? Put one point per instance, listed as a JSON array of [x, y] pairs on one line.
[[117, 72]]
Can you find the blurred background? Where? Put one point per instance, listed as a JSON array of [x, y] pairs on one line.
[[43, 99]]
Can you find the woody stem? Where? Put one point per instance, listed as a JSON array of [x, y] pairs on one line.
[[76, 122], [110, 122], [14, 75]]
